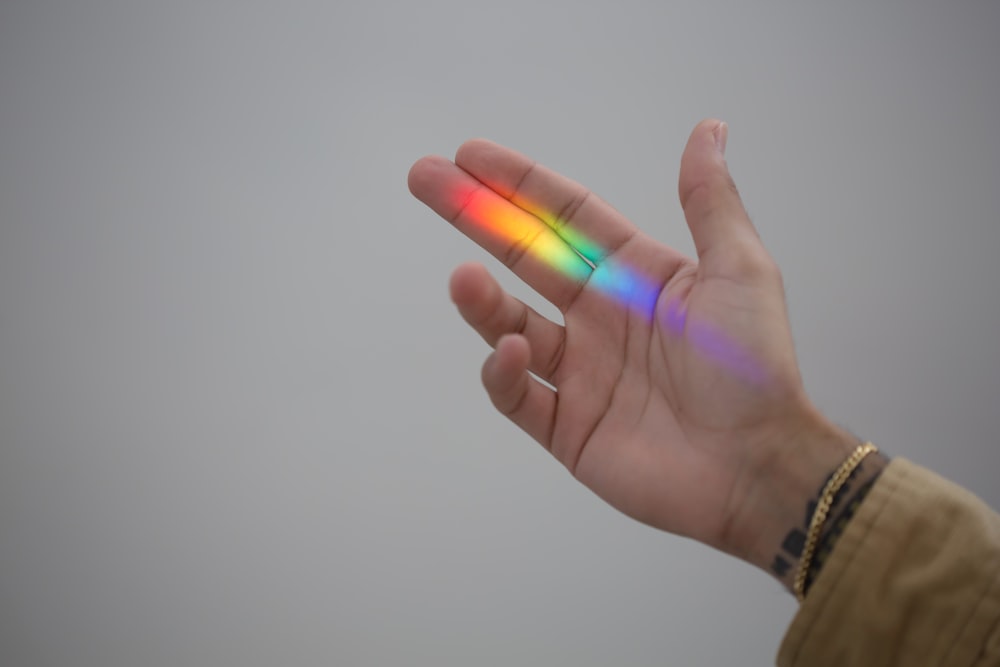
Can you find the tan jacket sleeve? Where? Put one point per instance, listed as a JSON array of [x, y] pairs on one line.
[[914, 580]]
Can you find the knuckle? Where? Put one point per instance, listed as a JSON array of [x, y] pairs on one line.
[[556, 359], [517, 250]]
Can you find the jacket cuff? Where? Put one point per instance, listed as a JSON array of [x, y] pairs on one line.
[[913, 580]]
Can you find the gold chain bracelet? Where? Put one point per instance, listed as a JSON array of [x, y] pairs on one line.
[[822, 509]]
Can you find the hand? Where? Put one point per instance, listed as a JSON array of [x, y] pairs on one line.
[[677, 394]]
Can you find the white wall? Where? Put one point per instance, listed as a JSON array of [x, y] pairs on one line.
[[240, 422]]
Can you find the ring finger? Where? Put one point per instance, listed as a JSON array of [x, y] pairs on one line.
[[492, 312]]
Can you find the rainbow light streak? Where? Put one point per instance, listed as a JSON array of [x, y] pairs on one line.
[[592, 252], [508, 226], [713, 343], [579, 258]]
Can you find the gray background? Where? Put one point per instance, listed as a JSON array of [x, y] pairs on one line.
[[240, 421]]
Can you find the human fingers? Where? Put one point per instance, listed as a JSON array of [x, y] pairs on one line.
[[525, 244], [517, 395], [492, 312], [586, 222], [723, 234]]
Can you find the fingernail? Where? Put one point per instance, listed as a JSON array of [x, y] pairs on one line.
[[721, 134]]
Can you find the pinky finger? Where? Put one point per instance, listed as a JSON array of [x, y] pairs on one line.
[[515, 393]]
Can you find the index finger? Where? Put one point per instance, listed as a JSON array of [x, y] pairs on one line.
[[584, 220]]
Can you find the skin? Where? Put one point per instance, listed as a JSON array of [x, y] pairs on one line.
[[642, 411]]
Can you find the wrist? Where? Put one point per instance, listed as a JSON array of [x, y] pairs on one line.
[[768, 528]]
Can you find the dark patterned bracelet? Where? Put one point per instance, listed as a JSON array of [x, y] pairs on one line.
[[835, 529]]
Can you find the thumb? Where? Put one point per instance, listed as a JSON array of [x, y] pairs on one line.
[[719, 224]]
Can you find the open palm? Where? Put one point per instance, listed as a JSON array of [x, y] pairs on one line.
[[671, 375]]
